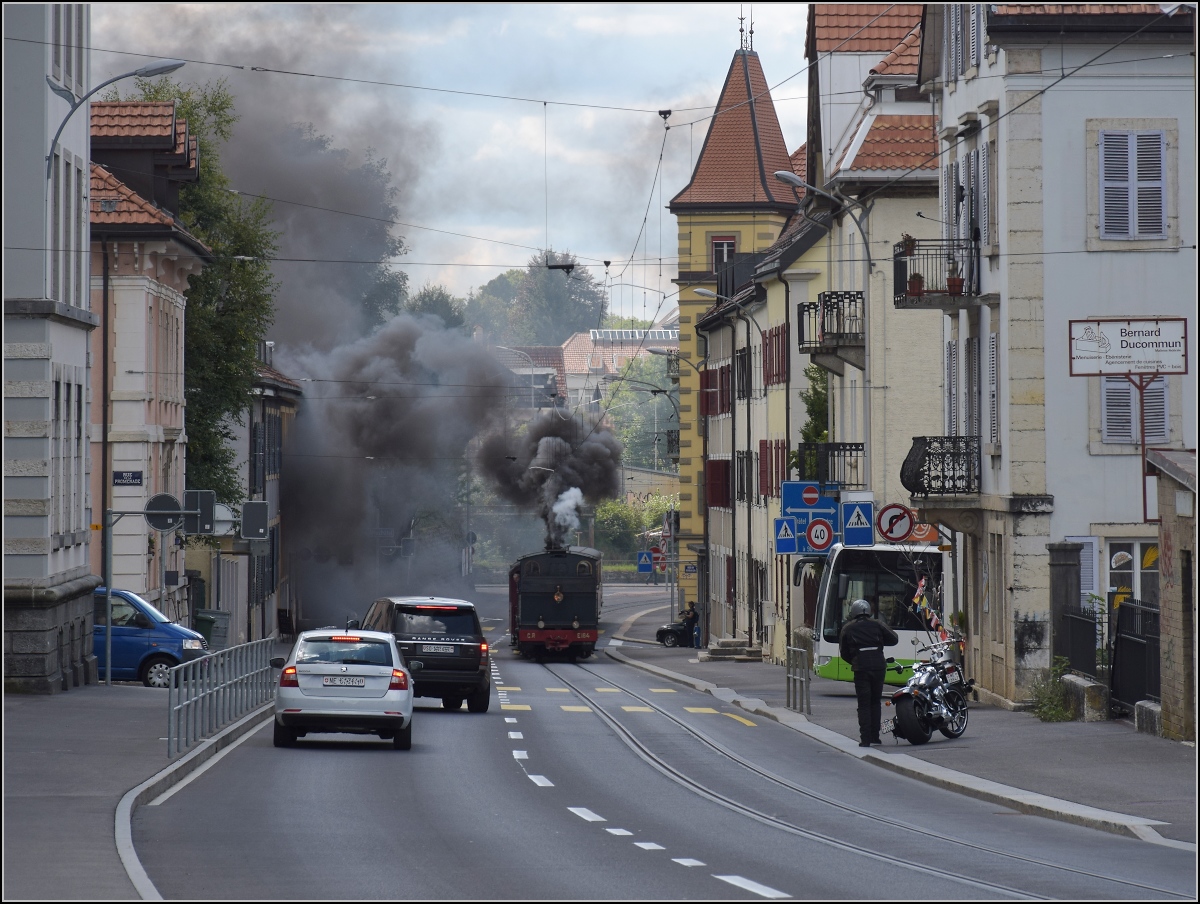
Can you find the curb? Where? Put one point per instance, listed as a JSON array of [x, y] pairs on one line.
[[164, 780], [1027, 802]]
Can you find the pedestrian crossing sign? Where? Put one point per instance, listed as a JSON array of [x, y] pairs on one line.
[[644, 562], [858, 523], [785, 536]]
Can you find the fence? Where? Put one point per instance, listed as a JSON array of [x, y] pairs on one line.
[[1076, 638], [207, 694], [942, 466], [1135, 671], [799, 681]]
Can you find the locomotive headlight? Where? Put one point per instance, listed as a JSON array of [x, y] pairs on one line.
[[558, 594], [575, 624], [541, 624]]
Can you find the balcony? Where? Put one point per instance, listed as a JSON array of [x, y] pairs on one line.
[[831, 330], [936, 274], [673, 367], [673, 445], [942, 466], [833, 465]]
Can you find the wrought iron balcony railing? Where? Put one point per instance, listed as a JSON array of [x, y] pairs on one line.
[[673, 367], [673, 444], [942, 466], [837, 465], [934, 272], [834, 319]]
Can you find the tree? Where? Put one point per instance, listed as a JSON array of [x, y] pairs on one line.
[[641, 412], [614, 322], [617, 527], [551, 305], [816, 426], [230, 303], [490, 309], [437, 301]]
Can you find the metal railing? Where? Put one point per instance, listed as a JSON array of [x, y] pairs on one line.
[[206, 694], [942, 466], [673, 444], [1135, 662], [1076, 638], [799, 681], [939, 267], [834, 319], [839, 465]]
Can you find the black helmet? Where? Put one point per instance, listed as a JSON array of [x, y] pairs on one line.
[[860, 609]]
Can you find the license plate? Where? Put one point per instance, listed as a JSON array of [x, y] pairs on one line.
[[436, 648], [953, 678], [343, 681], [888, 725]]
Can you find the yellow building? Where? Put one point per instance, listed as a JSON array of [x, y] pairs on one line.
[[731, 209]]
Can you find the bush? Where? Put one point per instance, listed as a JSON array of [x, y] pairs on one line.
[[1051, 701]]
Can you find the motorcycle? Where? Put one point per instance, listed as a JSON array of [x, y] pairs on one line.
[[934, 697]]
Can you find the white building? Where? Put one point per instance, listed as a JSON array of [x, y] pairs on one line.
[[48, 582]]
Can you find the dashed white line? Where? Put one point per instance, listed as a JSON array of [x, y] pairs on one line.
[[765, 890], [509, 719], [515, 735], [687, 861], [520, 755], [618, 831], [585, 813], [649, 846], [541, 781]]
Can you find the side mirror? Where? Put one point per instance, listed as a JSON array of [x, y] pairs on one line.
[[352, 624], [278, 662], [141, 621]]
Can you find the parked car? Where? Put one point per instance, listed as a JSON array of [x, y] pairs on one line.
[[676, 634], [444, 635], [344, 681], [146, 644]]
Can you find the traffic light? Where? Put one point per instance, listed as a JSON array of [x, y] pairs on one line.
[[254, 520], [204, 502]]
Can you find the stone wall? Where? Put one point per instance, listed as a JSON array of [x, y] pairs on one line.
[[1177, 601]]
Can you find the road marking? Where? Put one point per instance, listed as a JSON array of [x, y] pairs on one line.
[[637, 709], [577, 709], [508, 688], [687, 861], [509, 719], [585, 813], [649, 846], [559, 690], [523, 706], [618, 831], [516, 735], [700, 709], [489, 627], [541, 781], [608, 690], [520, 755], [765, 890], [740, 719], [616, 643], [662, 690], [203, 769]]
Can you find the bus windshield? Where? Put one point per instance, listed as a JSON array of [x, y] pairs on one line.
[[885, 578]]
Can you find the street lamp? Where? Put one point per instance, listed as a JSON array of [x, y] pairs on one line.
[[528, 358], [158, 67], [848, 203]]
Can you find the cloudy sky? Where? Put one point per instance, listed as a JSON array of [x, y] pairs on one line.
[[513, 126]]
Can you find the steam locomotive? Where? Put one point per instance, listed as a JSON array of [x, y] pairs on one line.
[[554, 601]]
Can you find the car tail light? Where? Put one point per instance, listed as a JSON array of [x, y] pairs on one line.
[[399, 680], [288, 677], [483, 648]]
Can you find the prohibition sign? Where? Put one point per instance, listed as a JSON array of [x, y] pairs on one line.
[[895, 522], [819, 534], [810, 495]]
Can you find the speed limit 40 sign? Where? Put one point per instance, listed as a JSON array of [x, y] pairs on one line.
[[819, 534]]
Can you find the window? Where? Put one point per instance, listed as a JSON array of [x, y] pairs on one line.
[[1132, 185], [723, 248], [742, 359], [1133, 570], [1120, 417], [716, 482]]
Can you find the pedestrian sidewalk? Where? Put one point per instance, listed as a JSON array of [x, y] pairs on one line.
[[1101, 774]]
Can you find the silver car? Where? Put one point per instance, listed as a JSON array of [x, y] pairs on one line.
[[344, 681]]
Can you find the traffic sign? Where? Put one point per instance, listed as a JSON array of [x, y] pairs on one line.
[[785, 536], [690, 568], [644, 563], [162, 512], [660, 558], [895, 522], [819, 534], [799, 497], [857, 523]]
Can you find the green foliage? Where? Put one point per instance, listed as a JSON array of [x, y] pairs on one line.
[[551, 305], [231, 302], [637, 405], [490, 309], [438, 301], [655, 506], [1051, 702], [617, 527], [816, 424]]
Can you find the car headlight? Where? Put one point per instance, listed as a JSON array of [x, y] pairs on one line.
[[193, 644]]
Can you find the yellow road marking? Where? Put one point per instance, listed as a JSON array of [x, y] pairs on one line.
[[489, 627], [699, 709], [507, 688], [662, 690], [525, 706], [559, 690], [637, 709], [608, 690], [577, 709], [740, 719]]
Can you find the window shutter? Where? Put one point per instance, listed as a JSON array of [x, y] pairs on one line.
[[951, 388], [974, 12], [973, 194], [1115, 197], [985, 206], [993, 387], [1089, 568], [1151, 185], [764, 469], [946, 224], [973, 397], [1117, 421], [1154, 402]]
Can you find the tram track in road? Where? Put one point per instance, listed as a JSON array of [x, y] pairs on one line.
[[643, 751]]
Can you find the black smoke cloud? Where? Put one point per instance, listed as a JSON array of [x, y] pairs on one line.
[[560, 461]]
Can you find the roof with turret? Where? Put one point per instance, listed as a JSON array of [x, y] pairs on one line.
[[743, 149]]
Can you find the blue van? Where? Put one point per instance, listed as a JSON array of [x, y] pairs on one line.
[[145, 643]]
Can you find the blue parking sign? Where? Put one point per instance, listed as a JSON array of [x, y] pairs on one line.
[[785, 536], [645, 563], [858, 523]]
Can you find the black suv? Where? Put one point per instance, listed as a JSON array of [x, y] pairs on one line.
[[444, 635]]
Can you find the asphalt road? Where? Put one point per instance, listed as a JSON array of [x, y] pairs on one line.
[[599, 781]]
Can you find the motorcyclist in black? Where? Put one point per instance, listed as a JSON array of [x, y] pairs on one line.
[[861, 644]]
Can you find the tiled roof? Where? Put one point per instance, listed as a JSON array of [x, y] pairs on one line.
[[583, 355], [113, 203], [144, 123], [893, 142], [862, 27], [542, 356], [904, 58], [706, 319], [799, 160], [743, 148], [267, 373], [798, 230]]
